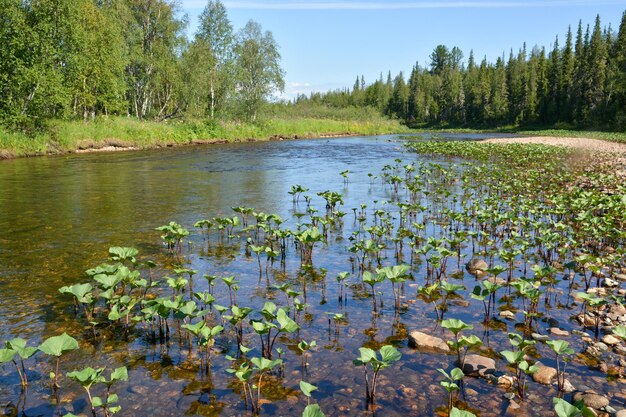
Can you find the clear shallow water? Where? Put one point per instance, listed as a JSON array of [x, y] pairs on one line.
[[60, 215]]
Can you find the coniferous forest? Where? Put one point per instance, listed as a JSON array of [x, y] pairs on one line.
[[579, 83]]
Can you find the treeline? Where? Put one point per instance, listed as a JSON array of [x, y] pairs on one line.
[[582, 84], [85, 58]]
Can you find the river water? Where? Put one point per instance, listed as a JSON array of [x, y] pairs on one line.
[[59, 216]]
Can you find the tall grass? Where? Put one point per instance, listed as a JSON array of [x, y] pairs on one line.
[[67, 136]]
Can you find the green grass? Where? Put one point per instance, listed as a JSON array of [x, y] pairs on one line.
[[67, 136]]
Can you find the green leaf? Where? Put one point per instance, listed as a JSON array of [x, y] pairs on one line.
[[389, 354], [620, 331], [456, 374], [307, 388], [6, 355], [455, 412], [119, 374], [97, 402], [560, 347], [513, 357], [58, 345], [565, 409], [87, 377], [367, 355], [455, 326], [286, 323], [19, 346], [313, 410]]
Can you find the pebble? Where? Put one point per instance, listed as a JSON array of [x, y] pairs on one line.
[[506, 314], [540, 337], [544, 375], [476, 365], [592, 399], [610, 340], [558, 332]]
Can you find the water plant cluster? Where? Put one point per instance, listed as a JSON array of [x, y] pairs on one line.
[[491, 249]]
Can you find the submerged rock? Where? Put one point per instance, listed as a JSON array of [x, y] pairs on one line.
[[610, 340], [423, 341], [592, 399], [558, 332], [506, 314], [477, 365], [476, 265], [544, 375]]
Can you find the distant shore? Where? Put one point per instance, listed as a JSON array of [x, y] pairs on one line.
[[579, 143]]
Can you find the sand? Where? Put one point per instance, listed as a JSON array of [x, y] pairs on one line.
[[585, 144]]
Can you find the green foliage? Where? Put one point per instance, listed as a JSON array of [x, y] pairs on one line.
[[313, 410], [564, 409], [58, 345]]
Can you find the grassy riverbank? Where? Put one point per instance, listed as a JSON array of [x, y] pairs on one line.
[[69, 136]]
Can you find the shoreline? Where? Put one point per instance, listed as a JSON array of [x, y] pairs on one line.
[[577, 143], [114, 145]]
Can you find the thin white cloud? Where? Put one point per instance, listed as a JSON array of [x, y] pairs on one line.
[[378, 5]]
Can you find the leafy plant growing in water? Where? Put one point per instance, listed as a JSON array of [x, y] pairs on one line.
[[560, 348], [450, 383], [17, 347], [388, 355], [460, 342], [57, 346], [397, 275], [517, 360]]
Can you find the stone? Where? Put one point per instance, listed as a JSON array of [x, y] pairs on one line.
[[620, 413], [506, 381], [497, 280], [475, 265], [477, 365], [558, 332], [568, 387], [544, 375], [592, 399], [620, 277], [506, 314], [423, 341], [139, 390], [540, 337], [610, 340], [608, 282]]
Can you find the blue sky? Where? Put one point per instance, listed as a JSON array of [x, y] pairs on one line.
[[326, 44]]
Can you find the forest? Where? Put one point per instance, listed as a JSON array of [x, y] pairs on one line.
[[579, 85], [81, 59]]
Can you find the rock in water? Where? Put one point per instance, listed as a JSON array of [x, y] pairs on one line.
[[423, 341], [476, 265], [592, 399], [544, 375], [476, 365]]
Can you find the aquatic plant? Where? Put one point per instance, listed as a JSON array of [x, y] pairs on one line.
[[388, 356], [13, 347], [561, 349], [449, 383], [57, 346]]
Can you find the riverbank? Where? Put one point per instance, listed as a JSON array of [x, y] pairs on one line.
[[116, 134], [578, 143]]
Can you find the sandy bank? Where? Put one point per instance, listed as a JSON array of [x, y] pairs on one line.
[[585, 144]]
